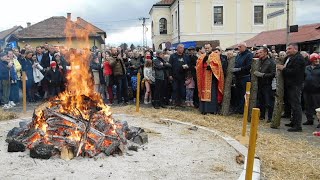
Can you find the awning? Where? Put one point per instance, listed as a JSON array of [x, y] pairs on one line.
[[186, 44]]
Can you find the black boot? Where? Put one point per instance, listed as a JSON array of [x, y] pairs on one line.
[[289, 125], [308, 122], [295, 129]]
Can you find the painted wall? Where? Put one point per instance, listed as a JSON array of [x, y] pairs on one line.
[[196, 21]]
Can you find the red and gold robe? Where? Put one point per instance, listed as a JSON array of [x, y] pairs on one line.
[[204, 77]]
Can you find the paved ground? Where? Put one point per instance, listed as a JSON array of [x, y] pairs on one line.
[[173, 152]]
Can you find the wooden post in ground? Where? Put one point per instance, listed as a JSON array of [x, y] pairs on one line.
[[138, 93], [252, 142], [278, 103], [243, 138], [227, 87], [254, 86], [24, 91]]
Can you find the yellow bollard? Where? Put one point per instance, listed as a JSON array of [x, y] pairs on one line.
[[252, 142], [24, 91], [243, 139], [138, 93]]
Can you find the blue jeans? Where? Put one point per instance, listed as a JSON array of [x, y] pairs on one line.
[[14, 92], [122, 88], [189, 96]]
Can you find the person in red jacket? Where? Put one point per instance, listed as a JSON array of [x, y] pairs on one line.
[[107, 73]]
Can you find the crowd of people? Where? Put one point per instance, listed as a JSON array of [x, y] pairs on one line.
[[182, 77]]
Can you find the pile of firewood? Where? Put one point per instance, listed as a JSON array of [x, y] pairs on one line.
[[71, 136]]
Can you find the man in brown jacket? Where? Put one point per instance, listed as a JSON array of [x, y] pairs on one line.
[[119, 74]]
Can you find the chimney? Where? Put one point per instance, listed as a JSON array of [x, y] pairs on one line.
[[69, 16], [78, 18], [28, 24]]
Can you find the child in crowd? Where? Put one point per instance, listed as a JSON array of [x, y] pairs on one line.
[[190, 85], [54, 78], [148, 80]]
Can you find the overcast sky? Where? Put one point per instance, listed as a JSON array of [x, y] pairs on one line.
[[119, 18]]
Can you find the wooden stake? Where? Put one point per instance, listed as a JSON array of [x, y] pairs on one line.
[[24, 91], [138, 93], [243, 139], [252, 142]]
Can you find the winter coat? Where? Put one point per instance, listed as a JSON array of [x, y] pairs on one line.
[[312, 79], [18, 68], [37, 75], [190, 84], [54, 78], [4, 70], [243, 61], [160, 69], [27, 67], [148, 75], [135, 62], [268, 67], [118, 66], [177, 61], [293, 73], [107, 69]]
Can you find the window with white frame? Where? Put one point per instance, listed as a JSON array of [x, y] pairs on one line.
[[258, 15], [218, 15]]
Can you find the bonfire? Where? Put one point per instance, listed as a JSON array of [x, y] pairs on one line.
[[77, 122]]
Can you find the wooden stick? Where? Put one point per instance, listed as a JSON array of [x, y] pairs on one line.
[[246, 109], [252, 142], [24, 91]]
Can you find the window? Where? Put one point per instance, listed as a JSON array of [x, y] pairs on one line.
[[218, 15], [258, 14], [163, 26]]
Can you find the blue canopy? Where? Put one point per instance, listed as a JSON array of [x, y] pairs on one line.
[[186, 44]]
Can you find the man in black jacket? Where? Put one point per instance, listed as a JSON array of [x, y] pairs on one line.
[[242, 75], [266, 73], [180, 64], [293, 73]]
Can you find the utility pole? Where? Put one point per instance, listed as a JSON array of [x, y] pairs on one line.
[[288, 26], [144, 35]]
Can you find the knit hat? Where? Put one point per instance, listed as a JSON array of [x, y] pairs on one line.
[[53, 64], [57, 54], [314, 56]]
